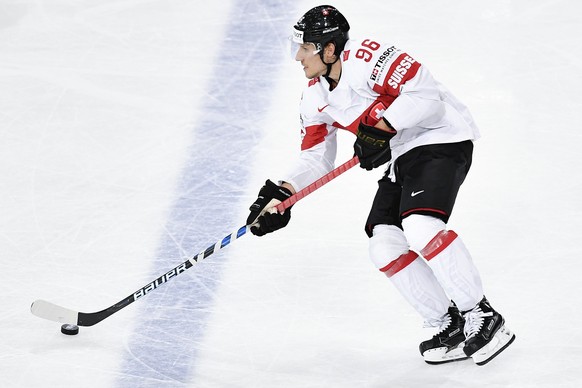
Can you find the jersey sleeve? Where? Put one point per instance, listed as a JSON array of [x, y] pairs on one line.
[[418, 104], [312, 163], [318, 142], [417, 101]]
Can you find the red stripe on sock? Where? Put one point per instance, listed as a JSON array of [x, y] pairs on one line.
[[399, 264], [443, 239]]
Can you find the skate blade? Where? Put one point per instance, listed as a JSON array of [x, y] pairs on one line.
[[501, 340], [441, 355]]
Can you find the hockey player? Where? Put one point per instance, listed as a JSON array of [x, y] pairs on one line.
[[404, 118]]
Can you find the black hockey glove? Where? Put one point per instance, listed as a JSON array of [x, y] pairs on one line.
[[269, 196], [373, 146]]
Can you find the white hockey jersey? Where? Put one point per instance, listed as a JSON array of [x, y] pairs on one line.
[[376, 80]]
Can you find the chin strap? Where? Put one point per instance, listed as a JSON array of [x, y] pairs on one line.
[[329, 65]]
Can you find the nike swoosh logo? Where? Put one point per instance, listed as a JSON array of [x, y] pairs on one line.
[[321, 109], [415, 193]]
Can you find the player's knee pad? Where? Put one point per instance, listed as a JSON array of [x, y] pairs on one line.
[[421, 229], [387, 244]]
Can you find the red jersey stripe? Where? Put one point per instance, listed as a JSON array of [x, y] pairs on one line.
[[402, 69], [314, 135]]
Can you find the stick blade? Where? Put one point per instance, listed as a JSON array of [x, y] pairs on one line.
[[53, 312]]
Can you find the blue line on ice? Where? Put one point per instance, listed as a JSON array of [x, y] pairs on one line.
[[170, 323]]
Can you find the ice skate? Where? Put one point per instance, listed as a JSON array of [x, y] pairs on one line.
[[486, 334], [447, 344]]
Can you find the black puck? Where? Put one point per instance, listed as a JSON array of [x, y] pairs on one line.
[[70, 329]]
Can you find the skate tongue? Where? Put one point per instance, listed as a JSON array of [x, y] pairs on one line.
[[474, 321], [441, 323]]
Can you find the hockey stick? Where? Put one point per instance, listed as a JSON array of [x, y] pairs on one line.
[[53, 312]]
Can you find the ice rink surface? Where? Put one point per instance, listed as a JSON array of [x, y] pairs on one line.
[[134, 134]]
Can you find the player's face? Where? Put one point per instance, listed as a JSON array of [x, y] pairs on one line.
[[309, 57]]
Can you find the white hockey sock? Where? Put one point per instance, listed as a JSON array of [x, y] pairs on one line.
[[451, 263], [416, 282], [409, 273]]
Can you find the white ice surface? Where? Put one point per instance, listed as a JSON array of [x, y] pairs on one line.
[[100, 104]]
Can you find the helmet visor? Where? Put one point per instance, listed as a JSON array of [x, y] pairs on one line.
[[299, 48], [299, 51]]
